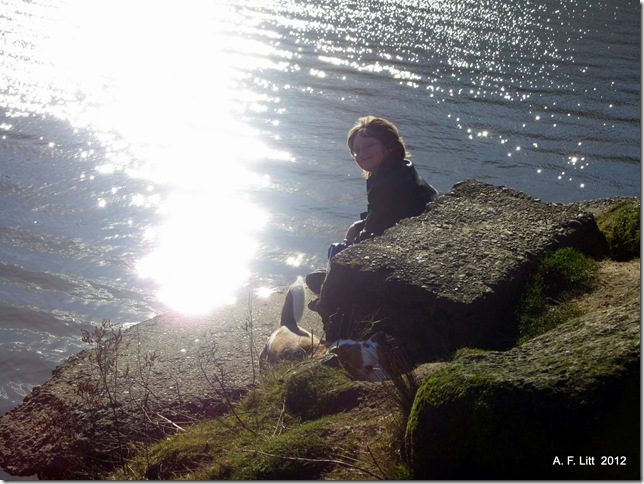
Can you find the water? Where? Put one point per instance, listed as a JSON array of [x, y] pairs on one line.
[[161, 156]]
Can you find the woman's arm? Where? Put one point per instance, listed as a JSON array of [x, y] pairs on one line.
[[353, 231]]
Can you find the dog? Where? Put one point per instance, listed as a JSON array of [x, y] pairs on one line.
[[363, 360], [289, 341]]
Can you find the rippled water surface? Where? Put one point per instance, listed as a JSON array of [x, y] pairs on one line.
[[163, 156]]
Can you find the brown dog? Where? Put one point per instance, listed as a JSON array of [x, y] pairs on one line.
[[289, 341]]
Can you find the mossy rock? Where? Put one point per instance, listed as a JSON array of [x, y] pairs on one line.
[[317, 390], [510, 415]]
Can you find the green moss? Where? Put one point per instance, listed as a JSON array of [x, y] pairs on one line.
[[621, 227], [545, 302], [315, 391], [448, 399], [442, 385], [526, 407], [463, 352], [299, 454]]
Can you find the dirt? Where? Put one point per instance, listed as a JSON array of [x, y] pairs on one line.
[[616, 284]]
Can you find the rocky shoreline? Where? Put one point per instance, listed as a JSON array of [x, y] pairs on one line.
[[56, 428], [447, 279]]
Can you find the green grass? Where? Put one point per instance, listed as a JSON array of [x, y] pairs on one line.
[[301, 424], [467, 351], [545, 301], [621, 227], [567, 272], [301, 453]]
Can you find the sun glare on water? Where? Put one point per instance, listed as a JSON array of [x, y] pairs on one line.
[[203, 251], [164, 78]]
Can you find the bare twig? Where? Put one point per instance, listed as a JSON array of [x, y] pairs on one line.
[[107, 340], [220, 387], [373, 458], [324, 461], [249, 327], [171, 422], [280, 424]]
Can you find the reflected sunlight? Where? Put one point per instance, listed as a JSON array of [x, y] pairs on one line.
[[264, 292], [162, 89], [203, 250]]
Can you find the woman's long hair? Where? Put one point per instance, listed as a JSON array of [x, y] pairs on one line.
[[384, 131]]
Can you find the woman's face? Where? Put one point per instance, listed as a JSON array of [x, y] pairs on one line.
[[368, 152]]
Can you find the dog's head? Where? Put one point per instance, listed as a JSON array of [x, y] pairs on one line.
[[362, 359]]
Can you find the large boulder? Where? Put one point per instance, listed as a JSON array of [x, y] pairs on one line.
[[453, 276], [565, 405]]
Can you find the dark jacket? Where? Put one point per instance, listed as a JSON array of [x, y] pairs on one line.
[[395, 192]]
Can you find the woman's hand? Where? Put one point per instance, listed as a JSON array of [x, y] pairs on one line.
[[352, 233]]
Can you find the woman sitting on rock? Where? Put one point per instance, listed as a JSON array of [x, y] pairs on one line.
[[395, 190]]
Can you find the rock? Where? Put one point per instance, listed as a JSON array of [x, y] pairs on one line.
[[520, 414], [452, 276], [167, 371], [315, 279]]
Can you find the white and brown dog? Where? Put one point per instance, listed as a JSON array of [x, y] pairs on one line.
[[289, 341], [361, 359]]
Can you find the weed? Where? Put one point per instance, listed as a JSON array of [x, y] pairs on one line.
[[400, 390], [291, 425], [249, 328], [214, 373], [113, 395], [107, 340]]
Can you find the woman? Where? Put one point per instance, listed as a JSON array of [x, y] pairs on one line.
[[395, 190]]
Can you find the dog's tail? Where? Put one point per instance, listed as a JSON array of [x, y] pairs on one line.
[[293, 308]]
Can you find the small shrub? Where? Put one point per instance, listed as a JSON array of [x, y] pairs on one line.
[[559, 276], [621, 227]]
